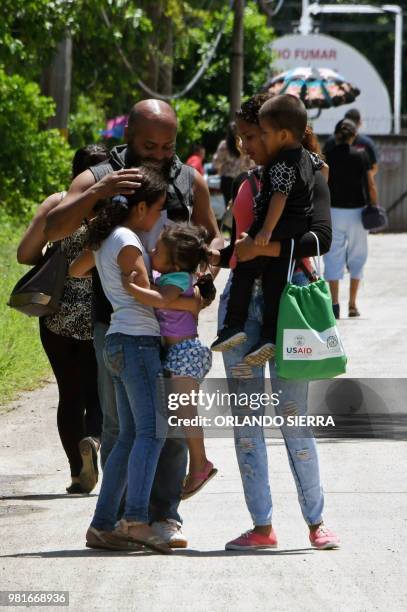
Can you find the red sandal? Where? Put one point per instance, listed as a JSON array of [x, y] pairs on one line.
[[201, 477]]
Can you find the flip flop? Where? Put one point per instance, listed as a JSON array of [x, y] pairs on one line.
[[204, 477], [353, 311]]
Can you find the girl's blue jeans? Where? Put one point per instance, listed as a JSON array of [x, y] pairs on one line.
[[134, 362], [250, 444]]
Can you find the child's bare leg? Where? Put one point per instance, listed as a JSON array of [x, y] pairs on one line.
[[193, 433]]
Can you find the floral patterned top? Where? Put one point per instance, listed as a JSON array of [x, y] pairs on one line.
[[229, 165], [74, 317]]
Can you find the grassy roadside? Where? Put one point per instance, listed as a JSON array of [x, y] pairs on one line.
[[23, 364]]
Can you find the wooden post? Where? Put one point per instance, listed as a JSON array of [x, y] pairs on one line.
[[154, 11], [56, 83], [237, 58], [165, 80]]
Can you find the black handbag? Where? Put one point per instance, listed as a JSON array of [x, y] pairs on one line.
[[374, 218], [39, 291]]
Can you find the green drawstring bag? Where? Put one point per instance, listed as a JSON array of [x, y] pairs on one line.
[[308, 342]]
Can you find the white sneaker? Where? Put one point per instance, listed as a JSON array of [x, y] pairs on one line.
[[170, 531]]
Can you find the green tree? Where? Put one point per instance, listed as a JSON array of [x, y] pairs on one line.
[[30, 32], [211, 93], [34, 163], [86, 122], [115, 43]]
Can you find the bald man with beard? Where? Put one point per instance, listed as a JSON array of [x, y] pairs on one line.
[[150, 137]]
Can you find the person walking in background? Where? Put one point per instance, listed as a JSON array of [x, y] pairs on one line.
[[361, 142], [67, 340], [352, 186], [229, 162], [195, 160]]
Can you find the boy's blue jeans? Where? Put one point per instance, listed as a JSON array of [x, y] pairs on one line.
[[134, 362], [250, 443]]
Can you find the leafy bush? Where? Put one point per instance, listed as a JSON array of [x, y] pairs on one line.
[[191, 126], [86, 123], [34, 162]]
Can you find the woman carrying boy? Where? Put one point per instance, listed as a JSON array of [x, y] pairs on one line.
[[283, 210], [250, 444]]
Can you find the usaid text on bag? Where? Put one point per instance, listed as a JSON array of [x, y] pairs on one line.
[[308, 342]]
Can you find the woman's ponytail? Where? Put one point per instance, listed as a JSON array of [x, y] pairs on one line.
[[345, 130], [112, 214], [311, 142], [115, 211]]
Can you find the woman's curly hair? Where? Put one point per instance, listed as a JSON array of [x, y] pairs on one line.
[[187, 245], [250, 111], [116, 211]]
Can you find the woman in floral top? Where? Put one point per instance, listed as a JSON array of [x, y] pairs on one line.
[[67, 340], [230, 162]]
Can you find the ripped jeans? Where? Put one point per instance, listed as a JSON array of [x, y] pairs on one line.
[[250, 444]]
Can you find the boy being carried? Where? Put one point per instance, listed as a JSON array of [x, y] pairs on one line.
[[282, 210]]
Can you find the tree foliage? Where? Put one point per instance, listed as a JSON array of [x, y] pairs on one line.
[[30, 31], [116, 44], [34, 162]]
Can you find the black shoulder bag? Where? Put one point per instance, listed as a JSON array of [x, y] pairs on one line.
[[39, 291]]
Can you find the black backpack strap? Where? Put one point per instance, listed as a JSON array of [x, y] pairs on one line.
[[101, 170], [253, 184], [191, 176], [183, 186]]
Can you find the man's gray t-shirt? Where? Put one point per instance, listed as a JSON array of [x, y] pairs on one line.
[[129, 316]]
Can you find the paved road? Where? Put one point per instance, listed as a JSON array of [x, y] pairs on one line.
[[42, 532]]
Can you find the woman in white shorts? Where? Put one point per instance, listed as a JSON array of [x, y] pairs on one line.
[[352, 186]]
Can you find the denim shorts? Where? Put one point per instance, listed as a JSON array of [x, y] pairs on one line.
[[188, 358]]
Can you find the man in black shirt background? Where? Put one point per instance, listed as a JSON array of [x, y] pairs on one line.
[[361, 142], [352, 186]]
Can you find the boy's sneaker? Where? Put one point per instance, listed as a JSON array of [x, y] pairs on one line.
[[170, 531], [227, 338], [323, 539], [253, 541], [260, 353], [336, 311]]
